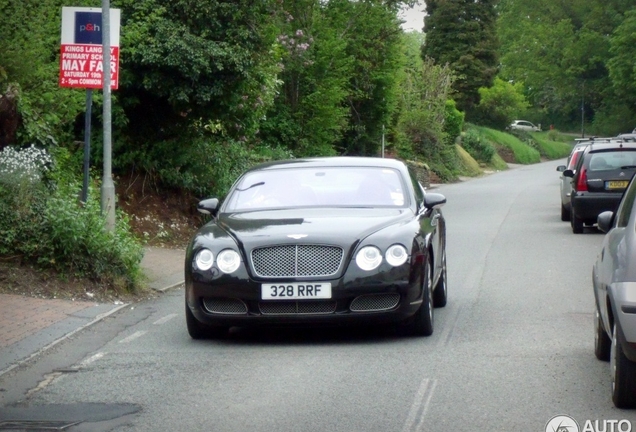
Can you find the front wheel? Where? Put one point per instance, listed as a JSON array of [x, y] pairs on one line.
[[623, 374], [198, 330], [421, 324]]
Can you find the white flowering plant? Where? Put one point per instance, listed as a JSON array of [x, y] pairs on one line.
[[24, 164], [43, 223]]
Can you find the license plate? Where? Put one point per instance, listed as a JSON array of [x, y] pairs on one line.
[[622, 184], [296, 291]]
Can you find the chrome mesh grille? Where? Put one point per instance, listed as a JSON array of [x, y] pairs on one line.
[[228, 306], [374, 302], [291, 308], [297, 261]]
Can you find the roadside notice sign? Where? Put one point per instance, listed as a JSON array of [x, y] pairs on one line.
[[81, 59]]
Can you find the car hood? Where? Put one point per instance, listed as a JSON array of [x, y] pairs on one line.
[[309, 225]]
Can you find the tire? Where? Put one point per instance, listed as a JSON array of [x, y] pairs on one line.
[[440, 293], [198, 330], [602, 342], [577, 224], [623, 374], [421, 324], [565, 214]]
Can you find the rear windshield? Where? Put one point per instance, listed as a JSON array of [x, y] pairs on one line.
[[611, 160]]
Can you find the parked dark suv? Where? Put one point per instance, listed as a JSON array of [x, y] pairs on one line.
[[598, 182]]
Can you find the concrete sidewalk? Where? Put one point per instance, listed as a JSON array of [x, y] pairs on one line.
[[30, 326]]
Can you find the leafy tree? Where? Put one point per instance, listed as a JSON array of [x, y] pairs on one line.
[[421, 126], [208, 61], [561, 52], [374, 43], [462, 34], [309, 115], [500, 104], [29, 69]]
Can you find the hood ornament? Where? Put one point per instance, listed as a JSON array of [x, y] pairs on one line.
[[297, 236]]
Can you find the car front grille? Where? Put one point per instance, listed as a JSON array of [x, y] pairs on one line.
[[374, 302], [297, 261], [228, 306], [294, 308]]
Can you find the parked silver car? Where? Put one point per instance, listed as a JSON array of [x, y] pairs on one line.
[[614, 282], [524, 125]]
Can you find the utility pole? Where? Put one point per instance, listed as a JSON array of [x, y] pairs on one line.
[[583, 111], [108, 186]]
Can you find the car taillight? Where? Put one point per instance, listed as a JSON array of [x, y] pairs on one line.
[[575, 157], [581, 184]]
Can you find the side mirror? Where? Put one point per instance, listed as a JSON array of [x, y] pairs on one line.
[[561, 168], [605, 221], [434, 200], [208, 206], [568, 173]]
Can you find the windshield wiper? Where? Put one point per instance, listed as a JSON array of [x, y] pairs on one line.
[[250, 187], [628, 166]]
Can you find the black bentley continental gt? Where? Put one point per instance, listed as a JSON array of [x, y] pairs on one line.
[[341, 240]]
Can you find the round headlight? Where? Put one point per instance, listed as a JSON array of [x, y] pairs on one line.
[[369, 258], [204, 259], [396, 255], [228, 261]]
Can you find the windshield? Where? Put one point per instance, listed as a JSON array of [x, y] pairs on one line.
[[329, 186]]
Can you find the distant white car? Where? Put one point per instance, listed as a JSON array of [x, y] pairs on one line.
[[524, 125]]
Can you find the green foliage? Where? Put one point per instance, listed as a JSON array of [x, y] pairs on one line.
[[469, 166], [621, 65], [29, 63], [523, 153], [453, 122], [564, 55], [467, 44], [47, 226], [477, 146], [374, 43], [500, 104], [551, 149]]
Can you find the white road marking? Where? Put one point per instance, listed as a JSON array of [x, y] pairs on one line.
[[164, 319], [91, 359], [420, 406], [133, 336]]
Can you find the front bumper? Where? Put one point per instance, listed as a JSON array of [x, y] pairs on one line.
[[353, 301]]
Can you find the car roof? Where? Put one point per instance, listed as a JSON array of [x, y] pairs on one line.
[[332, 161], [611, 145]]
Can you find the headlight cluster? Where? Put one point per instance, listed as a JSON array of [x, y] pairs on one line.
[[228, 260], [370, 257]]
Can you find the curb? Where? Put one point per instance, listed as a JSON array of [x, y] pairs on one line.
[[97, 319]]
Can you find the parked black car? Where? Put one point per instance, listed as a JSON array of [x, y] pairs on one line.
[[601, 175], [614, 281], [338, 240]]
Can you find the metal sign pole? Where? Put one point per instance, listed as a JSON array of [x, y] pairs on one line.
[[108, 187]]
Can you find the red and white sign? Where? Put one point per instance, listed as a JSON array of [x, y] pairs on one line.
[[81, 57]]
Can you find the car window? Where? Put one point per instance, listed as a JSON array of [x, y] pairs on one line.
[[611, 160], [328, 186], [627, 204]]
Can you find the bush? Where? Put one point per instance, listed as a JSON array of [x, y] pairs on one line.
[[480, 149], [47, 226], [453, 122]]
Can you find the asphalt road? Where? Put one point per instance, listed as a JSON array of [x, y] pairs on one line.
[[512, 349]]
